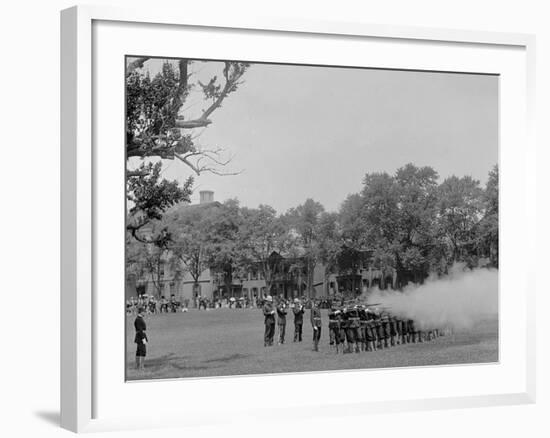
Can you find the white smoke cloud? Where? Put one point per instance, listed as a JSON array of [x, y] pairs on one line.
[[457, 301]]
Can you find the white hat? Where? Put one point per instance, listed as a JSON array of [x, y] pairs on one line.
[[269, 298]]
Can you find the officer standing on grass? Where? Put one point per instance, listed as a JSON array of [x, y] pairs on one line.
[[281, 320], [140, 339], [315, 317], [411, 330], [298, 311], [404, 330], [269, 321], [363, 321], [370, 330], [334, 317], [352, 333]]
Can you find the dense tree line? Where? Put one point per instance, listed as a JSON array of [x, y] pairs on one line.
[[408, 222]]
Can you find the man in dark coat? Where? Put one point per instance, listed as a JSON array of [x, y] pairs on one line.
[[385, 321], [281, 320], [140, 339], [379, 331], [411, 330], [269, 321], [316, 323], [363, 320], [334, 319], [353, 333], [404, 331], [370, 332], [298, 311]]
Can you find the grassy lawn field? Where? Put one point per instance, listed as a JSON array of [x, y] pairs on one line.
[[225, 342]]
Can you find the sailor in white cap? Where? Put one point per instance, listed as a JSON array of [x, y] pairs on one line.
[[269, 321], [298, 311]]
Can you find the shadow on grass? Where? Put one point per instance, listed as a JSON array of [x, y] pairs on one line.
[[166, 362], [161, 361], [184, 367], [229, 358]]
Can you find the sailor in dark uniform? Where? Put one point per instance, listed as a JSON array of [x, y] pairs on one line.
[[379, 330], [404, 330], [269, 321], [421, 336], [281, 320], [344, 332], [315, 318], [334, 317], [140, 339], [352, 330], [363, 321], [370, 332], [411, 330], [393, 330], [298, 311], [384, 319]]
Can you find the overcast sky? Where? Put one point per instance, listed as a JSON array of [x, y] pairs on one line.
[[300, 132]]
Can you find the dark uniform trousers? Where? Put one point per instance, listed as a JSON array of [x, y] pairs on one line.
[[282, 330], [317, 334], [140, 326], [370, 332], [298, 331], [316, 325], [334, 333], [269, 324], [269, 332], [298, 323]]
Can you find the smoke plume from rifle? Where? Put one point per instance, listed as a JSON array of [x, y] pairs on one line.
[[458, 300]]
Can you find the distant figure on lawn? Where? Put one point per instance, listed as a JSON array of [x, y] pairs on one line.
[[298, 311], [315, 318], [281, 320], [140, 339], [269, 321]]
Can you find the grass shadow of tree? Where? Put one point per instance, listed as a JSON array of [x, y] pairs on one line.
[[228, 358]]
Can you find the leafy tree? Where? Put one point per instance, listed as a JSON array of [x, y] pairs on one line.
[[394, 217], [305, 221], [204, 237], [459, 211], [329, 242], [222, 225], [353, 226], [157, 128], [488, 226], [149, 197], [380, 197], [417, 211], [262, 233], [146, 262], [189, 244]]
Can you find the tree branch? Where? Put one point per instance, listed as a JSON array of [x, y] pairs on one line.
[[231, 81], [134, 65], [198, 168], [138, 172]]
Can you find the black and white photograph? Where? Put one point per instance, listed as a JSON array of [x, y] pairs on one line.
[[286, 218]]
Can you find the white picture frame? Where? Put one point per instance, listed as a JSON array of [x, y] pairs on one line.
[[81, 200]]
